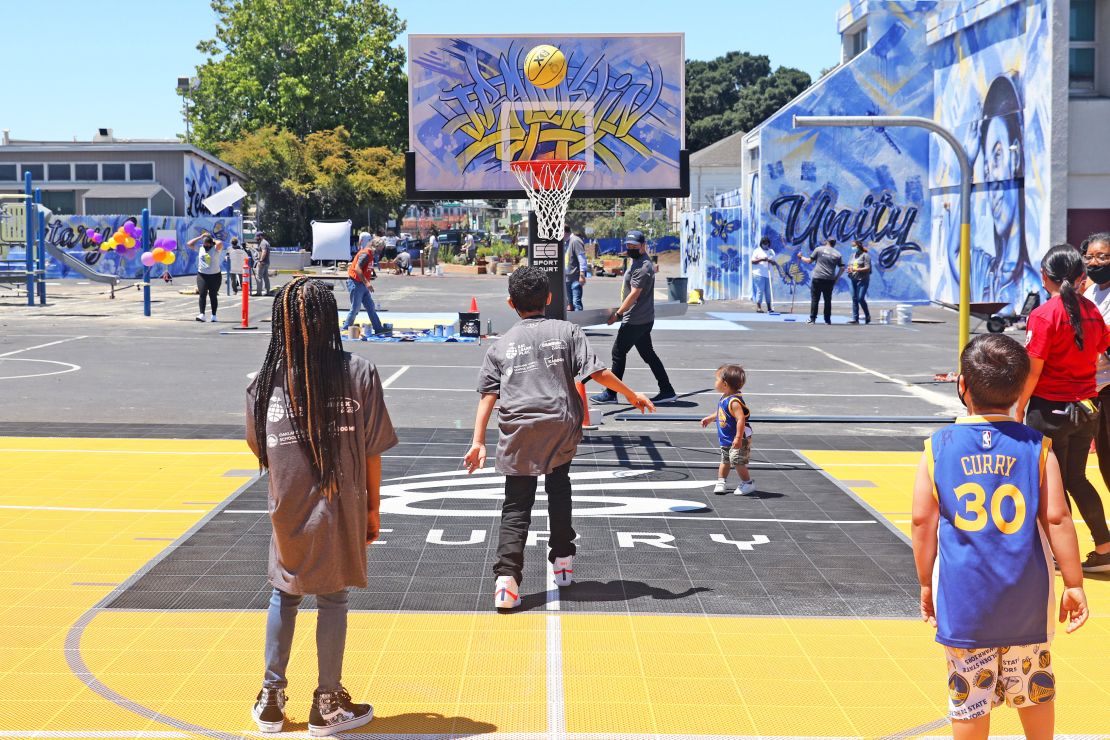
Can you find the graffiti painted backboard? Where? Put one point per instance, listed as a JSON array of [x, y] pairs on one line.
[[618, 106]]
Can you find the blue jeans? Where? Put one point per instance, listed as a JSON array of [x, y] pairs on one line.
[[859, 299], [574, 295], [761, 291], [361, 297], [331, 637]]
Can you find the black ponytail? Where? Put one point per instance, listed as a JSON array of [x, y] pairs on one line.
[[1064, 265]]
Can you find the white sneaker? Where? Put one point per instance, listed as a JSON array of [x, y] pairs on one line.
[[213, 319], [563, 568], [506, 593], [200, 317], [719, 488], [745, 487]]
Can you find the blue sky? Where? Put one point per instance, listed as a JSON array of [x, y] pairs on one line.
[[89, 67]]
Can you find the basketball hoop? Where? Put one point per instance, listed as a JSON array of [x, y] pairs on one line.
[[549, 184]]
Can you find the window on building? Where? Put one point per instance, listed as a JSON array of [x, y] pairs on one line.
[[86, 171], [859, 41], [143, 171], [8, 173], [38, 171], [1081, 47], [59, 172], [113, 171]]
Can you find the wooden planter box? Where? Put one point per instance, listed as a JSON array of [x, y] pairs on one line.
[[450, 268]]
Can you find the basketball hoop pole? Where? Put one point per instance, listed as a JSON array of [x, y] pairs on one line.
[[556, 279]]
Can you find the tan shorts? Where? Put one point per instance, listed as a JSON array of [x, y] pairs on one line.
[[737, 456], [981, 679]]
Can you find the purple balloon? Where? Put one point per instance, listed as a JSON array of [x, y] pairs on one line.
[[159, 243], [96, 237], [169, 244]]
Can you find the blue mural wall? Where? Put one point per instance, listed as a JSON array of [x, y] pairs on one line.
[[72, 234], [710, 246], [993, 62], [202, 180], [846, 183]]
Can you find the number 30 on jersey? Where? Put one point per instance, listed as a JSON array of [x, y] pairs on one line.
[[973, 497]]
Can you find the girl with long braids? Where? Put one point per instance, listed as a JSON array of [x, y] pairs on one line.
[[317, 421], [1065, 336]]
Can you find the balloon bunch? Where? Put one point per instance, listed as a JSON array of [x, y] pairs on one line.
[[126, 240], [163, 253]]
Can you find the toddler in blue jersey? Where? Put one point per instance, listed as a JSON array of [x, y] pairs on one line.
[[988, 516], [733, 430]]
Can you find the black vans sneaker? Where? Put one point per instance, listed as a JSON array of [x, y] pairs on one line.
[[333, 711], [1097, 563], [269, 710]]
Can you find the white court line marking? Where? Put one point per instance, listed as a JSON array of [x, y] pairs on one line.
[[585, 513], [69, 368], [642, 369], [389, 381], [556, 698], [40, 346], [687, 395], [929, 396]]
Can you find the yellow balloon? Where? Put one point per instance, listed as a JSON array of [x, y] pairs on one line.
[[169, 258], [128, 242], [106, 245]]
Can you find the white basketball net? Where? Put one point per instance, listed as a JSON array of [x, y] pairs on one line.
[[549, 184]]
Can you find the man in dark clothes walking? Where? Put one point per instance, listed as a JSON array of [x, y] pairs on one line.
[[830, 266]]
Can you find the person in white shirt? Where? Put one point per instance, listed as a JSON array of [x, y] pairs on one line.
[[237, 256], [763, 258], [433, 253]]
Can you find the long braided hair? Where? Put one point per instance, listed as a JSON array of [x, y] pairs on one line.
[[307, 351], [1064, 265]]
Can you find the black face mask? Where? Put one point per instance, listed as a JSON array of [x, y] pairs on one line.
[[1099, 274], [633, 253]]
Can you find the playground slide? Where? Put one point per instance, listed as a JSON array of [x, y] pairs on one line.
[[79, 266]]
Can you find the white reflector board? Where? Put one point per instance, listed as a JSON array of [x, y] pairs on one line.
[[331, 240]]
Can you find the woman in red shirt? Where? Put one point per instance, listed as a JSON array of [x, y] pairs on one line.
[[1064, 338]]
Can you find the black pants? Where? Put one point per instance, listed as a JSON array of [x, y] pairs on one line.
[[639, 336], [208, 286], [516, 517], [1072, 443], [821, 289]]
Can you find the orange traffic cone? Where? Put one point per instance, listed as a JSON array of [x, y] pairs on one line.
[[585, 407], [473, 305]]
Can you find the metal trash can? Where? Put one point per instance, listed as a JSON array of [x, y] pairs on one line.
[[676, 289]]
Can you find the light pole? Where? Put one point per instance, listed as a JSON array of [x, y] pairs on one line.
[[965, 193], [185, 85]]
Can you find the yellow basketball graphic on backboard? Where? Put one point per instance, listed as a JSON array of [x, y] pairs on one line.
[[545, 66]]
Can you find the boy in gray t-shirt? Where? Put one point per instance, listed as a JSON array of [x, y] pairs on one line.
[[530, 374]]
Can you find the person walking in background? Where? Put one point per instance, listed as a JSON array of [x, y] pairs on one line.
[[360, 271], [830, 266], [763, 259], [470, 252], [637, 316], [317, 422], [1097, 259], [209, 278], [236, 256], [574, 268], [262, 266], [433, 253], [859, 272], [1064, 337]]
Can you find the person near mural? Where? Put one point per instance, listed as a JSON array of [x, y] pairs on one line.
[[236, 256], [830, 266], [429, 264], [763, 260], [734, 433], [531, 375], [209, 277], [859, 272], [574, 268], [317, 421], [989, 515], [262, 266], [1064, 337], [637, 316], [1097, 259], [360, 273]]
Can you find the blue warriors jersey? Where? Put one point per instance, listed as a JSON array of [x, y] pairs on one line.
[[726, 422], [993, 577]]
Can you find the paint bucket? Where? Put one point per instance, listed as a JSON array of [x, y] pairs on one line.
[[470, 324], [884, 316], [437, 330], [439, 270], [694, 296], [903, 313], [354, 332]]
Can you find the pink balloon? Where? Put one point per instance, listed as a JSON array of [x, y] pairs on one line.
[[96, 237], [147, 259]]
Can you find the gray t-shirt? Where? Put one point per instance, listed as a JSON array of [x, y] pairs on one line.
[[828, 262], [573, 256], [533, 369], [640, 274], [210, 260], [318, 546], [861, 261], [264, 253]]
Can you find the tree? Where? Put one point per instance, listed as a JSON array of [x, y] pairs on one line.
[[322, 177], [735, 92], [302, 66]]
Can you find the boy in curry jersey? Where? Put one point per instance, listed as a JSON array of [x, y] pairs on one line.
[[988, 515]]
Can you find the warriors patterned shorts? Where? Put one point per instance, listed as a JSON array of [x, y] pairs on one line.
[[981, 679]]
